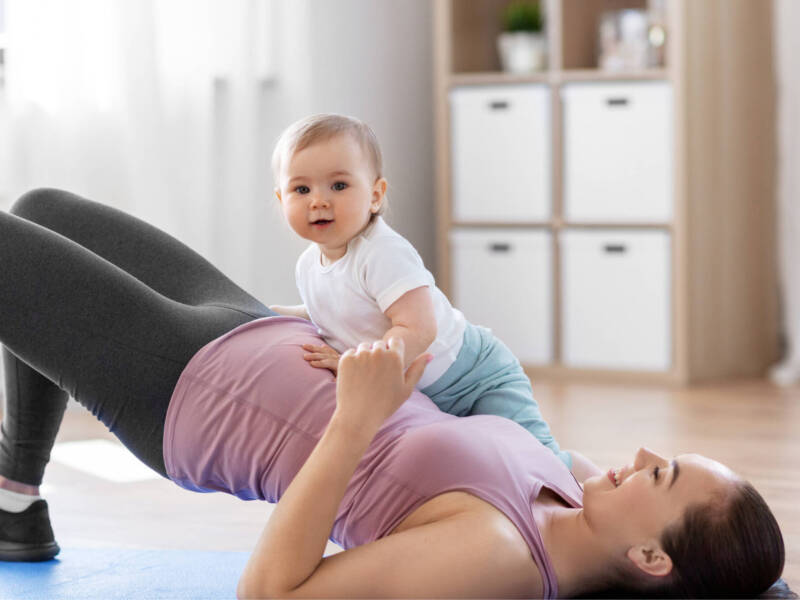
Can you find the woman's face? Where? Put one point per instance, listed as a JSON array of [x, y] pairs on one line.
[[633, 505]]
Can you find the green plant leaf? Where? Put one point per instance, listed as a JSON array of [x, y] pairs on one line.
[[523, 15]]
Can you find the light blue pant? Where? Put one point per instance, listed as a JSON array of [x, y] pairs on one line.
[[487, 379]]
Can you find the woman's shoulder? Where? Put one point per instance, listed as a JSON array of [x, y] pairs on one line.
[[509, 562], [466, 554], [480, 522], [486, 539]]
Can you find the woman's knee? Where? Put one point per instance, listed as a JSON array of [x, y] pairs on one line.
[[36, 203]]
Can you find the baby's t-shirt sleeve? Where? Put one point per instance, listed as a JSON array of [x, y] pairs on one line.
[[392, 267]]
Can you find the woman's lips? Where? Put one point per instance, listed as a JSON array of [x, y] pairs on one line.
[[611, 477]]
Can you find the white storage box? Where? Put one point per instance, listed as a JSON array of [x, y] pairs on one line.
[[615, 294], [503, 280], [618, 152], [501, 149]]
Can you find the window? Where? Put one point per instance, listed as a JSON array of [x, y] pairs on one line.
[[2, 42]]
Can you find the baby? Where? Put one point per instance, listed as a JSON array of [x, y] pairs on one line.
[[361, 281]]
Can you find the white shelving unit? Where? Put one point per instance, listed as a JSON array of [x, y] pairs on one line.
[[612, 225]]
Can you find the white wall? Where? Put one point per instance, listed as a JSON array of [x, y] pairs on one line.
[[370, 59], [367, 58], [787, 52]]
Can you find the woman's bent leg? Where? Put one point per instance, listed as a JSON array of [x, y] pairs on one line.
[[152, 256], [34, 405], [95, 331], [32, 413]]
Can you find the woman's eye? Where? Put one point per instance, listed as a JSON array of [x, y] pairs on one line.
[[655, 473], [339, 186], [301, 189]]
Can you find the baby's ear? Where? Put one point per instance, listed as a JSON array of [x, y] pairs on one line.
[[378, 193]]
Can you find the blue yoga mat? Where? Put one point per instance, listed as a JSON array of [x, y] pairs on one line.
[[108, 573]]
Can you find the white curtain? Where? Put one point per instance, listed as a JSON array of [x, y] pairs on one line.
[[153, 106], [787, 53]]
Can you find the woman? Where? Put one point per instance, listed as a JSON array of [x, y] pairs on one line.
[[178, 362]]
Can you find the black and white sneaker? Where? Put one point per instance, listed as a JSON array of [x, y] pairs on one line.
[[27, 536]]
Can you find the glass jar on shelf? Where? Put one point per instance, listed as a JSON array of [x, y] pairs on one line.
[[632, 39]]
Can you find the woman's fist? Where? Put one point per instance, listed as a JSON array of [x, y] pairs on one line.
[[371, 384]]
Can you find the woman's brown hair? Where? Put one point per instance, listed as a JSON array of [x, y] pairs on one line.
[[730, 547], [730, 550]]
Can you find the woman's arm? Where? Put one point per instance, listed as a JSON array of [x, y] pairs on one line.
[[414, 321], [293, 542], [471, 554], [371, 385], [297, 310]]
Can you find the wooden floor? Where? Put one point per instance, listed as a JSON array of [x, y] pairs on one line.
[[749, 425]]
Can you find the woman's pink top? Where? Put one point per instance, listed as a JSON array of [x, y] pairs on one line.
[[248, 410]]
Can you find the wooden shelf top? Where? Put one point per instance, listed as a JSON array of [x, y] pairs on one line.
[[600, 75], [499, 77], [554, 77], [559, 224]]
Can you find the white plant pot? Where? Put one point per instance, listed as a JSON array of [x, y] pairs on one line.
[[522, 52]]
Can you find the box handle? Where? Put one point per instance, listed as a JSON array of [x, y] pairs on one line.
[[617, 101], [498, 105], [615, 248], [499, 247]]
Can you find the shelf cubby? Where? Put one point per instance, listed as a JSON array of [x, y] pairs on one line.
[[721, 228]]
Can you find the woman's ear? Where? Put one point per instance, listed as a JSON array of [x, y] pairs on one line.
[[378, 193], [651, 559]]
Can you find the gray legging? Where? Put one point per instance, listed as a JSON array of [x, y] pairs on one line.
[[98, 304]]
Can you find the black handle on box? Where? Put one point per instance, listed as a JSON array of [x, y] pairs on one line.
[[500, 247], [615, 248], [617, 101], [498, 105]]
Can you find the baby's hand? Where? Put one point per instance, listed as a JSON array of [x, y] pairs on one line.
[[323, 357]]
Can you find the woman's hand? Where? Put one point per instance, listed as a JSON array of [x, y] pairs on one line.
[[372, 384], [322, 357]]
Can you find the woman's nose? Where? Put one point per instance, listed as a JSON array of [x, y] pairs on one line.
[[646, 457]]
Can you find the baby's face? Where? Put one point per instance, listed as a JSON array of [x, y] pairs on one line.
[[328, 192]]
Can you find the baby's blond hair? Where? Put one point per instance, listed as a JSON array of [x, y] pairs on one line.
[[309, 130]]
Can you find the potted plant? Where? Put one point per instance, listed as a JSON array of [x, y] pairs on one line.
[[522, 44]]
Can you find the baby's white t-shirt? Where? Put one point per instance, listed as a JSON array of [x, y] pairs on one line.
[[346, 299]]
